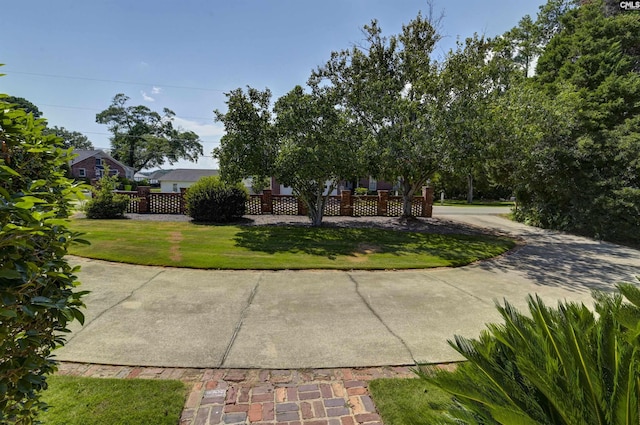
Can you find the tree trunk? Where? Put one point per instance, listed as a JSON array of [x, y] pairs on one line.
[[469, 188], [316, 209], [407, 198]]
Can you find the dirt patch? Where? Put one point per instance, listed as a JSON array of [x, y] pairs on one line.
[[367, 248], [174, 251], [362, 251]]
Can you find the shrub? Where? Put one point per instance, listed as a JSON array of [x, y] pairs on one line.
[[36, 282], [105, 203], [359, 191], [562, 366], [210, 200]]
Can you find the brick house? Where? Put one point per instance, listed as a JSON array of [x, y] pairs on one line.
[[90, 164]]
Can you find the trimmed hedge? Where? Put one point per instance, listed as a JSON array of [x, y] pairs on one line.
[[210, 200]]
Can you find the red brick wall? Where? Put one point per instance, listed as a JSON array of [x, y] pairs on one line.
[[89, 164]]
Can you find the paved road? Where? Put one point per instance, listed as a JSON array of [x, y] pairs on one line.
[[153, 316]]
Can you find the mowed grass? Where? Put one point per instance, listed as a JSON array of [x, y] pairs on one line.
[[96, 401], [410, 402], [182, 244]]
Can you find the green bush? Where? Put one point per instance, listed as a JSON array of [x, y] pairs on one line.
[[360, 191], [36, 282], [210, 200], [563, 366], [105, 203]]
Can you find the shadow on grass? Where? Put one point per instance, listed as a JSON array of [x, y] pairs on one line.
[[332, 242]]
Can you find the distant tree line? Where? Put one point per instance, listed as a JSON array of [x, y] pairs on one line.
[[70, 139]]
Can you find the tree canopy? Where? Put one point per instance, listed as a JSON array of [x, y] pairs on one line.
[[580, 173], [316, 146], [70, 139], [304, 141], [143, 138], [249, 146], [389, 85]]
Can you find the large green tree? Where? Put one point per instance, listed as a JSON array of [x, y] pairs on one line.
[[249, 146], [316, 147], [305, 141], [143, 138], [24, 104], [70, 139], [595, 189], [471, 81], [389, 85]]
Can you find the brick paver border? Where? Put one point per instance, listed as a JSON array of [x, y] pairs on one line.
[[261, 396]]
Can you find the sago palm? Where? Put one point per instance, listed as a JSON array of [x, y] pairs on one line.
[[565, 366]]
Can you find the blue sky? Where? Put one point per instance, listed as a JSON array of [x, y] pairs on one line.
[[70, 57]]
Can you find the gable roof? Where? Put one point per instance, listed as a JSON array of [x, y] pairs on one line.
[[84, 154], [187, 175], [155, 175]]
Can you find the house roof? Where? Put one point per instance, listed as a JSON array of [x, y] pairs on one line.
[[155, 175], [187, 175], [84, 154]]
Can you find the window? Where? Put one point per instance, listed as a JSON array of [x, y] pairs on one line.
[[175, 187], [99, 162], [82, 172], [113, 172], [373, 184]]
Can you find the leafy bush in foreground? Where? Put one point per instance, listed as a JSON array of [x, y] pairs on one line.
[[565, 366], [37, 284], [105, 203], [210, 200]]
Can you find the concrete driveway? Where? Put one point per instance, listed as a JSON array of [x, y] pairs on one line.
[[154, 316]]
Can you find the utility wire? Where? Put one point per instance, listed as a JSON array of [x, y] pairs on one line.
[[133, 83], [84, 108]]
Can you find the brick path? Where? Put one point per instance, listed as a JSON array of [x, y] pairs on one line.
[[261, 397]]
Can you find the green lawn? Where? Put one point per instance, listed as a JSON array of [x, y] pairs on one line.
[[409, 402], [96, 401], [181, 244]]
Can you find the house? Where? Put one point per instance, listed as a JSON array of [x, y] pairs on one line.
[[175, 180], [370, 183], [90, 164]]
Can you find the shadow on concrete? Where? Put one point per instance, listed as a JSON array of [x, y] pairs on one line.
[[571, 262]]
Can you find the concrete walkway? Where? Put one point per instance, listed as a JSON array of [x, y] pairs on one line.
[[153, 316]]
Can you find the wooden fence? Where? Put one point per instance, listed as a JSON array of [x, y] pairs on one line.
[[143, 201]]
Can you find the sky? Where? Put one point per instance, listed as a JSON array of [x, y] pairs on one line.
[[71, 57]]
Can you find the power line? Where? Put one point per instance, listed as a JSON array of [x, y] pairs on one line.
[[133, 83], [84, 108], [127, 135]]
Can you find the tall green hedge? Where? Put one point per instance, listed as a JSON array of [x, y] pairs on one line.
[[37, 285], [210, 200]]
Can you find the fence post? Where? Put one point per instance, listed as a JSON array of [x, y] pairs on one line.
[[346, 207], [383, 202], [302, 208], [266, 202], [427, 201], [144, 193], [183, 190]]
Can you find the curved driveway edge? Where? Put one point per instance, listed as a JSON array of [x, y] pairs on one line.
[[154, 316]]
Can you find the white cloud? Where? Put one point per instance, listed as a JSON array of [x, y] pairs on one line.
[[146, 97], [156, 90], [202, 130]]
